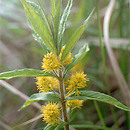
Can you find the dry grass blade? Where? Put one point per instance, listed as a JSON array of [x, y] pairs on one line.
[[121, 81], [18, 93]]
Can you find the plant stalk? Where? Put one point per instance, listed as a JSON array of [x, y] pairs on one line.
[[104, 65], [100, 115], [63, 103]]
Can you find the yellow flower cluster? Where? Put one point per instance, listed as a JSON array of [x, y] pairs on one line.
[[46, 84], [51, 113], [51, 62], [74, 103], [68, 58], [76, 82]]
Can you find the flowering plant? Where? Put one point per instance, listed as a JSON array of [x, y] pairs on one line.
[[56, 83]]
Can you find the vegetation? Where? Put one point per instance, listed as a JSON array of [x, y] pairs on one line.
[[73, 76]]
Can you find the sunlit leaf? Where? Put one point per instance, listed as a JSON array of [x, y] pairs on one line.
[[63, 22], [56, 20], [39, 23], [39, 40], [92, 95], [49, 96], [53, 9], [78, 57], [23, 73], [74, 38]]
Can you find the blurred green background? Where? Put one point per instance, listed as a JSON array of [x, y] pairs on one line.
[[19, 50]]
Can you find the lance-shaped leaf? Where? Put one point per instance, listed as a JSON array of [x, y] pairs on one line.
[[63, 22], [24, 73], [92, 95], [44, 17], [39, 10], [74, 38], [56, 20], [53, 8], [78, 57], [39, 40], [49, 96], [61, 125], [39, 23], [50, 127], [35, 34]]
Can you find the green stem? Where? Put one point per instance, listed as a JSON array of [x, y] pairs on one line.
[[104, 63], [124, 58], [100, 115]]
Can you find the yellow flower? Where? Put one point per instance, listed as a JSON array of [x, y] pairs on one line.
[[76, 82], [68, 58], [74, 103], [50, 113], [46, 84], [51, 63]]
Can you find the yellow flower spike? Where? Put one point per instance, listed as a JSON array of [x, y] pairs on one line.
[[46, 84], [74, 103], [76, 82], [51, 113], [51, 63], [68, 58]]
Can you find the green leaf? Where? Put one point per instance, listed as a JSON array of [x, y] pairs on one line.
[[78, 57], [49, 96], [50, 127], [61, 125], [53, 9], [92, 95], [63, 22], [35, 34], [73, 115], [74, 38], [82, 52], [39, 22], [38, 39], [90, 126], [24, 73], [44, 17], [56, 20]]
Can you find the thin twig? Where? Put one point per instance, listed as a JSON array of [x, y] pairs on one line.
[[18, 93]]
